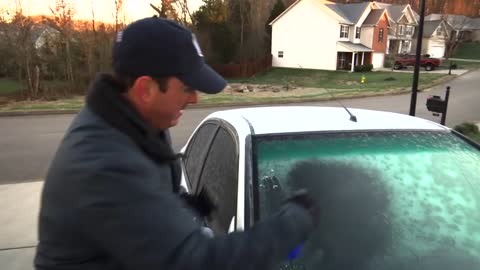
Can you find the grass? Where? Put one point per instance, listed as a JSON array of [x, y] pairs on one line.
[[9, 87], [469, 130], [475, 137], [65, 104], [460, 64], [307, 85], [470, 50], [375, 81]]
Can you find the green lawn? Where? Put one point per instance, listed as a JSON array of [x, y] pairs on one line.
[[9, 87], [470, 50], [375, 81], [461, 64], [306, 84], [75, 103]]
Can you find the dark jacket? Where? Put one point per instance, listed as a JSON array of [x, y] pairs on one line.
[[110, 201]]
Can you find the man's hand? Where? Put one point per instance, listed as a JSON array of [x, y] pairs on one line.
[[302, 198], [201, 203]]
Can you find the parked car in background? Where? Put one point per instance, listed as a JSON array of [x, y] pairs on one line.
[[395, 192], [409, 60]]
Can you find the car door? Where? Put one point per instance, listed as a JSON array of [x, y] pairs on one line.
[[219, 178]]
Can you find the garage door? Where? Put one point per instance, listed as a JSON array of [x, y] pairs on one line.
[[437, 51], [378, 60]]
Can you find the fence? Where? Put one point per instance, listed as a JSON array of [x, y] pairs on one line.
[[244, 69]]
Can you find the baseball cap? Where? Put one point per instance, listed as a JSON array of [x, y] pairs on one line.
[[160, 47]]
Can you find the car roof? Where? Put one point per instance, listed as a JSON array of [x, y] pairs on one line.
[[289, 119]]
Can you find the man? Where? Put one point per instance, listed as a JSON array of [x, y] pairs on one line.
[[111, 197]]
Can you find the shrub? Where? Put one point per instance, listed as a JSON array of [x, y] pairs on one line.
[[467, 128], [363, 68]]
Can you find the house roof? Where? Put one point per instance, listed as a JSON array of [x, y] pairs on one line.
[[353, 12], [319, 3], [433, 17], [354, 47], [336, 8], [475, 24], [374, 17], [395, 12], [457, 22], [429, 27]]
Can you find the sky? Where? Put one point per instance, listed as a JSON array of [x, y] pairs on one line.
[[104, 9]]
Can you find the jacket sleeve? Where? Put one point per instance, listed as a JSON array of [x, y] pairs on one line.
[[143, 227]]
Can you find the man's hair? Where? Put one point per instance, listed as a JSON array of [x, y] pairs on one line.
[[127, 82]]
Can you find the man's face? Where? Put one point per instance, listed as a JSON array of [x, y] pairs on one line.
[[164, 107]]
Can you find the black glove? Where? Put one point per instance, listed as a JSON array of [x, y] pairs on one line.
[[201, 203], [302, 198]]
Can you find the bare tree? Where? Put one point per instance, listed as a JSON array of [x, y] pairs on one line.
[[118, 14], [63, 21], [458, 34], [89, 40], [257, 18], [166, 10], [17, 34], [183, 10]]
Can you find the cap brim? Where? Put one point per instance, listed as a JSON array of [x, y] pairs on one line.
[[205, 80]]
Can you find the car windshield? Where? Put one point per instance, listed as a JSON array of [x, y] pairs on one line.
[[388, 200]]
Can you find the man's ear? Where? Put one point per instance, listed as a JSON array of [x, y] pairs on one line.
[[143, 89]]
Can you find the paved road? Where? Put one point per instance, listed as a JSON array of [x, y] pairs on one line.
[[28, 143]]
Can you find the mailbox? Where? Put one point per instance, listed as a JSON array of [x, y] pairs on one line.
[[436, 104]]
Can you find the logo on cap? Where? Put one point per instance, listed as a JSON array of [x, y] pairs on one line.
[[120, 36], [196, 45]]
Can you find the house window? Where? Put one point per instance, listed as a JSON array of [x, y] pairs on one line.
[[280, 54], [357, 32], [409, 30], [406, 46], [380, 35], [401, 30], [344, 31]]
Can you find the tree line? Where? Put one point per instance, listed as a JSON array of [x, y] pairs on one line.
[[57, 55]]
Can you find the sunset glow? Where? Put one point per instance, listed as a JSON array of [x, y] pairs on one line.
[[103, 9]]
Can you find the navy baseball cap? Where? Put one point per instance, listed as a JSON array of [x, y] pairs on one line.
[[160, 47]]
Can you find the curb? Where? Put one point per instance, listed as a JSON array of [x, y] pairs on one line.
[[243, 104], [37, 112]]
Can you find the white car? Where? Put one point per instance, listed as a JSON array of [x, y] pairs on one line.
[[396, 192]]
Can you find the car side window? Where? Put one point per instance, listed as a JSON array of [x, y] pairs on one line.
[[220, 179], [197, 150]]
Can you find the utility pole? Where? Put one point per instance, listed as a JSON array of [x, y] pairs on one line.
[[413, 101], [444, 114]]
